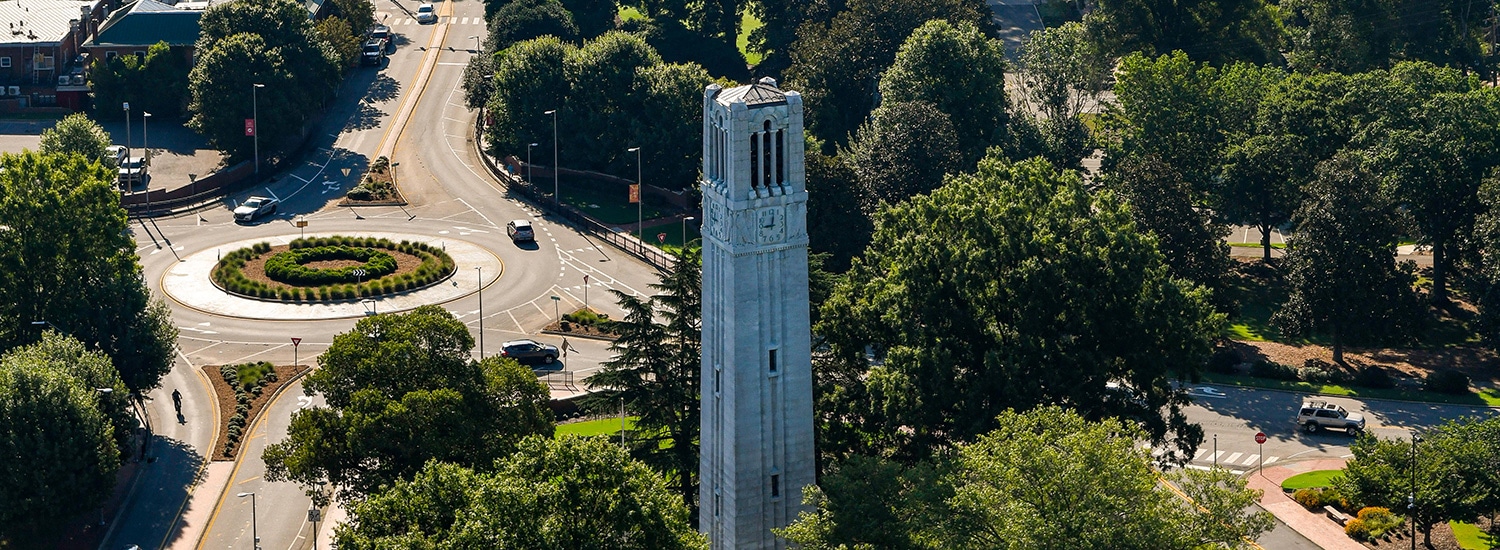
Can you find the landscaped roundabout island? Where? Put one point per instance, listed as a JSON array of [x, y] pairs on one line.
[[331, 269]]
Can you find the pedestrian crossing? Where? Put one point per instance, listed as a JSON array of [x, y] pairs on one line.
[[452, 20], [1207, 458]]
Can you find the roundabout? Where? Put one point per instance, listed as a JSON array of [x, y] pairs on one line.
[[189, 282]]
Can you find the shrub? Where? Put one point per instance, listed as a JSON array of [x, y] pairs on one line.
[[1273, 370], [1309, 498], [1374, 376], [1379, 520], [1447, 381], [234, 437], [238, 418], [1319, 371], [1224, 361], [1357, 530]]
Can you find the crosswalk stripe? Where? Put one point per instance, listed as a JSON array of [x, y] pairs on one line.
[[1271, 459], [465, 21], [1233, 457], [408, 21], [1200, 454], [1217, 455], [1250, 460]]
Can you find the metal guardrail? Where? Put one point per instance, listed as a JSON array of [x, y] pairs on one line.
[[622, 240]]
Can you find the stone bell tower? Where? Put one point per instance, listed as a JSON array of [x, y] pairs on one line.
[[757, 422]]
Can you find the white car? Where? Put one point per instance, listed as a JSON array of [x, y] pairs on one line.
[[255, 207], [425, 14]]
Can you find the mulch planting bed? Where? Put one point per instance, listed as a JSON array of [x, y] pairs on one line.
[[580, 330], [255, 269], [1442, 538], [225, 395]]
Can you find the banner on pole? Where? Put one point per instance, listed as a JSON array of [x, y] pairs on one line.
[[635, 193]]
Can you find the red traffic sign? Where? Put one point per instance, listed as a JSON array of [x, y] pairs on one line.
[[661, 237], [296, 341], [249, 127], [1260, 437]]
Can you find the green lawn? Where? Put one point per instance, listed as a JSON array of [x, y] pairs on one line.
[[603, 426], [748, 23], [610, 206], [627, 14], [1486, 398], [1315, 478], [1471, 538]]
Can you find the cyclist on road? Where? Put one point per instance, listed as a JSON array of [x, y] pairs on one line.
[[177, 401]]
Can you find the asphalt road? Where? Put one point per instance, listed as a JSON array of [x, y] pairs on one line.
[[450, 196]]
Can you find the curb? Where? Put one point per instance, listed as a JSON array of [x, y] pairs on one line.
[[576, 335], [239, 455], [1354, 397]]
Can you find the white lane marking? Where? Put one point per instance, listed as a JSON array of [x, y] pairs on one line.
[[1270, 459], [1218, 454], [1233, 457], [1200, 454], [1207, 468], [1250, 460]]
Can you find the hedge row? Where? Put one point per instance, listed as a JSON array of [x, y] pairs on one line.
[[290, 267], [436, 265], [244, 393]]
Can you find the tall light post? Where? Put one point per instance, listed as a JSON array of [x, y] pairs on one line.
[[639, 199], [528, 163], [126, 105], [255, 122], [556, 199], [480, 271], [1411, 498], [146, 158], [684, 230], [254, 529]]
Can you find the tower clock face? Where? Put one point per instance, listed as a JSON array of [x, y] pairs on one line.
[[771, 225], [717, 225]]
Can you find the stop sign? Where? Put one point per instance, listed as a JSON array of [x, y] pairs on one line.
[[1260, 437]]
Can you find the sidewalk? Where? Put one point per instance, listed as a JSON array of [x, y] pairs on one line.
[[1316, 527]]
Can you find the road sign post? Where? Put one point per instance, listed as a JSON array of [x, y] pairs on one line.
[[555, 312], [295, 342], [1260, 439], [585, 291]]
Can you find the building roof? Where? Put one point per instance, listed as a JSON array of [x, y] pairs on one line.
[[759, 94], [147, 22], [38, 21]]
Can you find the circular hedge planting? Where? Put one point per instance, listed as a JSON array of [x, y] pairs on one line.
[[289, 278]]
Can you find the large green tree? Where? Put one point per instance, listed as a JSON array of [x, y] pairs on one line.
[[904, 150], [1043, 479], [656, 371], [1013, 287], [1190, 239], [1434, 162], [1447, 475], [58, 435], [1217, 31], [1359, 35], [402, 390], [67, 260], [961, 72], [1261, 183], [156, 83], [549, 494], [1062, 74], [527, 19], [77, 134], [837, 65], [266, 42], [1341, 274], [836, 224]]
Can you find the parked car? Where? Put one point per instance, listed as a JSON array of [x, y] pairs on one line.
[[425, 14], [383, 33], [1316, 415], [529, 351], [373, 52], [117, 154], [520, 231], [255, 207], [132, 171]]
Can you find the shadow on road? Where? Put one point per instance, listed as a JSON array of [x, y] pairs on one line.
[[160, 496]]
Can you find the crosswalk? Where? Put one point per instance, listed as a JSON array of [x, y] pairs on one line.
[[452, 20], [1207, 458]]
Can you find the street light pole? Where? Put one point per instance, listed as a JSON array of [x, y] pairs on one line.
[[639, 195], [254, 528], [684, 230], [255, 118], [476, 44], [127, 131], [1411, 498], [146, 158], [529, 181], [480, 270], [556, 199]]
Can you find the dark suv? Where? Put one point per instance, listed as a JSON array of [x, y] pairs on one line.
[[529, 351], [373, 52]]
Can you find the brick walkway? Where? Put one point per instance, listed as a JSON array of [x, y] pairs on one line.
[[1316, 527]]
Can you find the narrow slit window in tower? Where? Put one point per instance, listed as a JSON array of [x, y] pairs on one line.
[[766, 151], [754, 160], [780, 157], [772, 358], [775, 486]]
